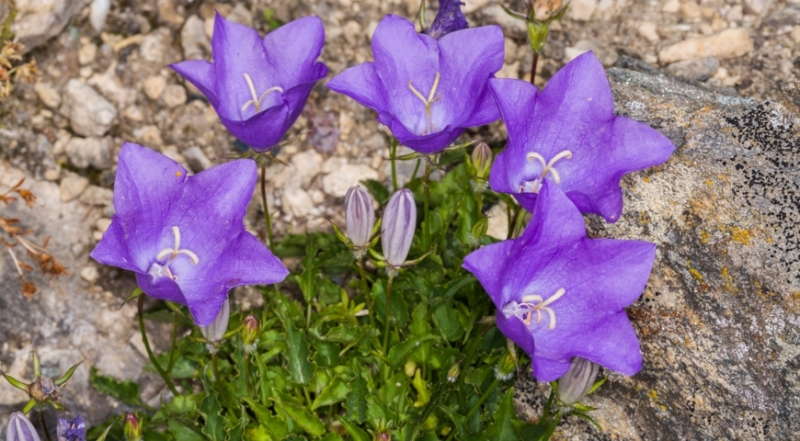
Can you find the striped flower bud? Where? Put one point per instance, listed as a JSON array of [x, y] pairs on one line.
[[216, 330], [578, 380], [250, 332], [20, 429], [132, 428], [397, 228], [482, 160], [360, 216]]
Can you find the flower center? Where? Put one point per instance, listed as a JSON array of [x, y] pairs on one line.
[[534, 304], [172, 254], [432, 98], [547, 167], [256, 101]]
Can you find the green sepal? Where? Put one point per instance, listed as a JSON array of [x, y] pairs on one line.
[[596, 386], [341, 236], [354, 431], [587, 418], [29, 405], [16, 383], [108, 429], [421, 14], [64, 378], [516, 15], [134, 294]]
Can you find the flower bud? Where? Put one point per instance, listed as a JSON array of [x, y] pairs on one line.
[[20, 429], [482, 160], [383, 436], [397, 229], [250, 331], [545, 9], [132, 428], [578, 380], [452, 374], [71, 430], [360, 216], [410, 368], [216, 330]]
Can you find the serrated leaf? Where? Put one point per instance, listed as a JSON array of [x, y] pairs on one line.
[[309, 422], [502, 429], [297, 352], [182, 432], [356, 403], [354, 431], [125, 391], [235, 430], [210, 409], [398, 353], [446, 319], [274, 427], [335, 392]]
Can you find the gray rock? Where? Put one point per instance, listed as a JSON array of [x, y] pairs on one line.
[[174, 95], [512, 27], [698, 69], [47, 94], [85, 152], [97, 196], [342, 178], [154, 86], [197, 159], [72, 186], [89, 113], [39, 20], [155, 46], [719, 322], [194, 41]]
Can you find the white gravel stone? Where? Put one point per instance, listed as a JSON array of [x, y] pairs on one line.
[[52, 174], [89, 273], [796, 34], [511, 26], [47, 94], [649, 30], [111, 86], [606, 56], [87, 54], [37, 21], [473, 5], [729, 43], [102, 224], [296, 202], [149, 136], [85, 152], [197, 159], [340, 180], [352, 32], [498, 222], [72, 186], [97, 196], [581, 10], [174, 95], [194, 41], [240, 14], [154, 86], [154, 45], [89, 113]]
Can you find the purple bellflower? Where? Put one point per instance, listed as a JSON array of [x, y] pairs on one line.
[[20, 429], [568, 134], [560, 295], [259, 87], [427, 91], [183, 235], [449, 18], [71, 430]]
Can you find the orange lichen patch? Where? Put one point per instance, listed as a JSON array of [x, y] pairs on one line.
[[709, 183], [696, 274], [728, 280], [644, 218], [704, 236], [741, 235], [646, 179], [768, 240]]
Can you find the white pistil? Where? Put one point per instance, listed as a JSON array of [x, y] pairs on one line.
[[256, 101], [176, 251], [535, 303], [432, 97], [547, 167]]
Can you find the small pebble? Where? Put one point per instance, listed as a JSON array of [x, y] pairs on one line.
[[89, 273], [154, 86], [174, 95]]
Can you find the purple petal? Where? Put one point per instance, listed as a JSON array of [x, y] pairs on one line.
[[402, 56], [449, 18], [292, 51], [162, 288], [485, 110], [237, 51], [468, 58], [488, 266], [432, 143], [362, 84], [202, 74]]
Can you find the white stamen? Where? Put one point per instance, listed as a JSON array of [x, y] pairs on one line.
[[547, 167], [535, 303], [432, 98], [175, 252], [256, 101]]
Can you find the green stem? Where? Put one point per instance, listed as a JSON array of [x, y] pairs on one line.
[[267, 215], [367, 291], [482, 398], [150, 351], [218, 378], [533, 66], [426, 229], [416, 169], [173, 352], [247, 374], [44, 426], [518, 213], [393, 156], [387, 316]]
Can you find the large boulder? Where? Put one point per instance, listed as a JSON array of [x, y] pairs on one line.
[[719, 321]]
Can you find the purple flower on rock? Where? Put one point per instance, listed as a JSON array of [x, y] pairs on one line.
[[71, 430], [561, 295], [568, 134], [449, 18], [259, 87], [427, 91], [183, 235]]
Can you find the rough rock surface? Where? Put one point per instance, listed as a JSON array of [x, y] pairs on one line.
[[719, 321], [40, 20]]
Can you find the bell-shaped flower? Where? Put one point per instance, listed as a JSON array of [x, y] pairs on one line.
[[259, 87], [71, 430], [449, 18], [183, 235], [216, 330], [359, 215], [397, 227], [561, 295], [578, 380], [427, 91], [20, 429], [568, 134]]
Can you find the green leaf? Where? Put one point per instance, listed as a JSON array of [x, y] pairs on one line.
[[423, 393], [308, 278], [336, 391], [419, 320], [398, 353], [297, 354], [125, 391], [377, 190], [306, 420], [354, 431], [182, 432], [327, 353], [356, 403], [211, 410], [274, 426], [446, 319], [343, 333], [502, 429]]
